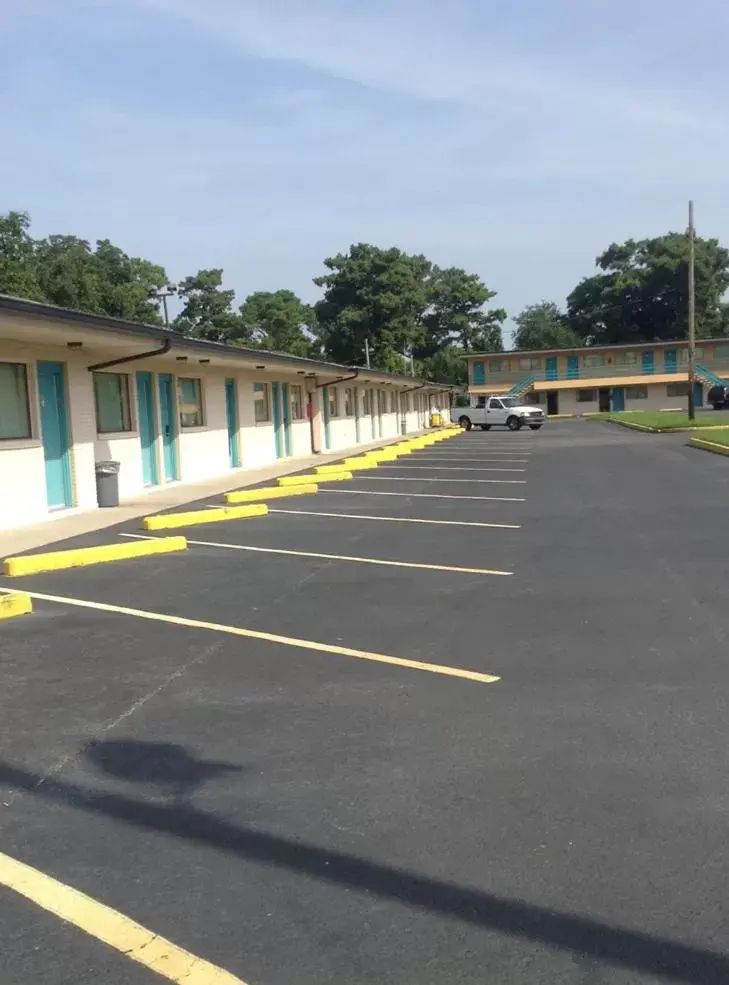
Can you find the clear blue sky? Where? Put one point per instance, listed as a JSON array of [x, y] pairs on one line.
[[516, 138]]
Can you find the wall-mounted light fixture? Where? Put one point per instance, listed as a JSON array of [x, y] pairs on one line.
[[204, 362], [75, 345], [181, 359]]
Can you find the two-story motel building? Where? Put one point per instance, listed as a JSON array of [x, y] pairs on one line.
[[76, 389], [602, 378]]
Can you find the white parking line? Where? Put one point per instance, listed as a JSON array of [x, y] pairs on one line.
[[427, 458], [403, 478], [370, 492], [400, 519], [445, 468], [335, 557]]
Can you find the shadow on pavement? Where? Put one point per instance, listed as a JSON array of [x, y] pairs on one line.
[[167, 767], [584, 937]]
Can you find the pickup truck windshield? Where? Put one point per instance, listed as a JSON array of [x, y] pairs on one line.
[[509, 401]]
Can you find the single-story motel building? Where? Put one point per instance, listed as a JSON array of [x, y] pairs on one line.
[[601, 378], [77, 389]]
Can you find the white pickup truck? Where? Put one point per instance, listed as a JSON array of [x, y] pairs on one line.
[[488, 412]]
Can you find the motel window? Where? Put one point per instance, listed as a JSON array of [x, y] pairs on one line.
[[530, 363], [480, 402], [14, 403], [586, 397], [500, 365], [333, 397], [393, 402], [625, 358], [722, 352], [261, 403], [594, 359], [189, 397], [406, 402], [676, 389], [366, 402], [349, 402], [683, 355], [636, 392], [111, 398], [297, 404]]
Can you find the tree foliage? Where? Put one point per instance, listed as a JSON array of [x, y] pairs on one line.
[[279, 321], [544, 326], [641, 292]]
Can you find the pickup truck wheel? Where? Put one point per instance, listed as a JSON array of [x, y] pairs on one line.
[[485, 427], [534, 427], [465, 423], [513, 423], [718, 406]]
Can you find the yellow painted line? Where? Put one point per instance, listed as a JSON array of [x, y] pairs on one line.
[[303, 480], [369, 492], [255, 634], [30, 564], [404, 478], [447, 460], [269, 492], [446, 468], [110, 927], [402, 519], [15, 604], [166, 521], [341, 557]]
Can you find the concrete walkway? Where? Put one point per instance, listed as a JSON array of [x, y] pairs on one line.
[[60, 526]]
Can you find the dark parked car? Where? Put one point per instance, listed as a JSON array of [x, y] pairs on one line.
[[718, 397]]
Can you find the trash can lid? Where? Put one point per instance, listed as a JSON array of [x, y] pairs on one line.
[[108, 467]]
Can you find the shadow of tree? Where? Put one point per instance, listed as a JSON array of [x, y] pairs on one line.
[[586, 938]]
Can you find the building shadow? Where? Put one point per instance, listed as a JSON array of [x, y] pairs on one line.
[[583, 937], [166, 767]]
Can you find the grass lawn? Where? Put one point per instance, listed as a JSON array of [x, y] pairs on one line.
[[668, 420], [718, 437]]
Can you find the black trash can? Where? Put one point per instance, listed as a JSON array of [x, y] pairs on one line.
[[107, 483]]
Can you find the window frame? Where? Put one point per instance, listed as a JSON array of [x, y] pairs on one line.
[[582, 399], [495, 404], [681, 386], [349, 401], [126, 411], [630, 392], [28, 411], [265, 389], [332, 401], [181, 404], [296, 403]]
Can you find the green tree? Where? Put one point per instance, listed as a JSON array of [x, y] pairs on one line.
[[544, 326], [640, 293], [279, 321], [126, 283], [68, 274], [207, 308], [18, 269], [447, 365], [376, 295], [456, 313]]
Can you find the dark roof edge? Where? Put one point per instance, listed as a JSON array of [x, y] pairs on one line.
[[39, 309], [593, 348]]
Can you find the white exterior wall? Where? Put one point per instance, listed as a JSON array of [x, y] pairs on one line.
[[202, 453]]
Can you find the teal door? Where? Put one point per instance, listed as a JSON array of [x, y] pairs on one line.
[[286, 402], [167, 423], [277, 423], [479, 373], [669, 360], [54, 432], [647, 363], [551, 367], [573, 367], [618, 398], [325, 398], [231, 411], [372, 414], [147, 430], [698, 394]]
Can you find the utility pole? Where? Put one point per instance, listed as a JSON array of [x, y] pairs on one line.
[[691, 313], [367, 352], [161, 294]]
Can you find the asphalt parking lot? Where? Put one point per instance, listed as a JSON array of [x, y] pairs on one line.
[[261, 748]]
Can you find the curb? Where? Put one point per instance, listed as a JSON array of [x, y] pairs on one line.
[[31, 564], [707, 445], [168, 521], [302, 480], [15, 604], [268, 492]]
